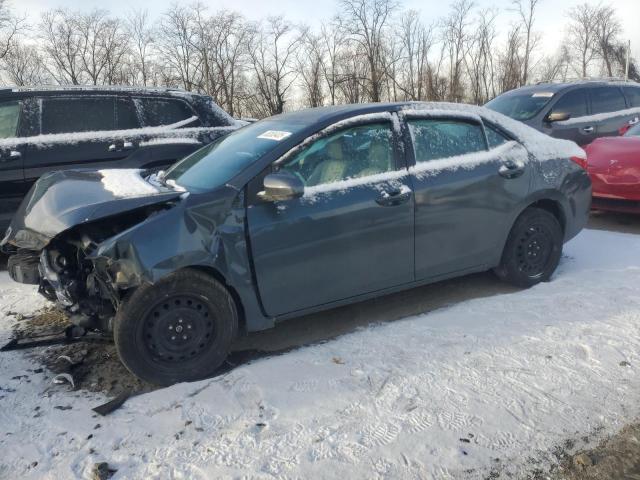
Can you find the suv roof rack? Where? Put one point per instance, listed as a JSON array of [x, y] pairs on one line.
[[124, 88], [586, 80]]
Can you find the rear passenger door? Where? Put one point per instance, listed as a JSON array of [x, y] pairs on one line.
[[467, 186], [632, 95], [12, 185], [75, 132], [163, 148], [606, 102]]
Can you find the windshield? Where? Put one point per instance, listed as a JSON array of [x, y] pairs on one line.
[[220, 161], [520, 106], [633, 131]]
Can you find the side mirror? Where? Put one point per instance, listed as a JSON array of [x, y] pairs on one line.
[[558, 117], [280, 187]]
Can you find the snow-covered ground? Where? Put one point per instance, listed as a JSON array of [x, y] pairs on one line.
[[488, 383]]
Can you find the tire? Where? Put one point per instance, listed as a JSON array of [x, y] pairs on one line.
[[179, 329], [533, 249]]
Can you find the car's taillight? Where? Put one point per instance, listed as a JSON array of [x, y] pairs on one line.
[[580, 161]]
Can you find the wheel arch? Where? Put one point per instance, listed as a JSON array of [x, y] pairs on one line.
[[217, 275]]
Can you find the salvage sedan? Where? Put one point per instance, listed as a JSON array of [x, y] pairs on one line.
[[293, 214]]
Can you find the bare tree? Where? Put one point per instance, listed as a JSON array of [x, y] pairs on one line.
[[10, 27], [62, 44], [310, 66], [141, 37], [581, 35], [526, 11], [455, 38], [367, 22], [607, 30], [480, 60], [273, 47], [177, 46], [229, 57], [23, 65]]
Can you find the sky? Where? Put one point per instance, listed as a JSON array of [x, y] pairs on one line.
[[551, 19]]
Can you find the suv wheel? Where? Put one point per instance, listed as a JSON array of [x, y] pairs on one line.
[[533, 249], [179, 329]]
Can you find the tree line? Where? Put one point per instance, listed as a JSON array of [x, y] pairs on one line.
[[368, 51]]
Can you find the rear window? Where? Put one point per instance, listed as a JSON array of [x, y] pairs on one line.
[[126, 115], [434, 139], [9, 116], [607, 99], [166, 111], [633, 131], [633, 96], [520, 106], [69, 115]]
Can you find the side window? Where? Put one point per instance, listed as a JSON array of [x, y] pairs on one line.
[[433, 139], [574, 103], [633, 96], [69, 115], [9, 117], [126, 115], [353, 153], [607, 99], [166, 111], [494, 136]]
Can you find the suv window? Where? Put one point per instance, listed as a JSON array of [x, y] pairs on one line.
[[165, 111], [607, 99], [433, 139], [353, 153], [68, 115], [126, 114], [633, 96], [573, 102], [9, 116]]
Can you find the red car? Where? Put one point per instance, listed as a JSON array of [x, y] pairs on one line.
[[613, 164]]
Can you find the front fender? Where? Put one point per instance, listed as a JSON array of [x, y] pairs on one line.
[[204, 232]]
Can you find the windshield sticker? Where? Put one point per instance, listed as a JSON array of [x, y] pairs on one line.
[[543, 94], [274, 135]]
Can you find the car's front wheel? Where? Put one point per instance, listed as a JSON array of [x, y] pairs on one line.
[[533, 249], [178, 329]]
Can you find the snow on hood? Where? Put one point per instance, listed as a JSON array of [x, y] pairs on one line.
[[541, 146], [126, 183]]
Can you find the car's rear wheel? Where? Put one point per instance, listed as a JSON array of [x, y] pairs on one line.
[[179, 329], [533, 249]]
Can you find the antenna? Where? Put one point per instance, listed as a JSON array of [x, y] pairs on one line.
[[626, 68]]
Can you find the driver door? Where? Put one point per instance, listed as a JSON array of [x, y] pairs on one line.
[[350, 234]]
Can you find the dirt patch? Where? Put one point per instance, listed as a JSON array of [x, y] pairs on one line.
[[617, 457], [92, 366]]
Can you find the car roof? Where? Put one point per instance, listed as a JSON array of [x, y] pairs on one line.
[[337, 112], [91, 89], [555, 87]]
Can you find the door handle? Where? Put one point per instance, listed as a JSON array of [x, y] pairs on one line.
[[394, 196], [511, 169], [118, 147], [11, 156], [588, 129]]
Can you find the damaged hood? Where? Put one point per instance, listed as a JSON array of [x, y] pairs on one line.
[[59, 201]]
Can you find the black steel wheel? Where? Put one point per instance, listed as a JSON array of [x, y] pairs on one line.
[[533, 249], [179, 329]]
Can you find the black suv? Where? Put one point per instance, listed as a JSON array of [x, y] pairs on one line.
[[45, 129], [579, 111]]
